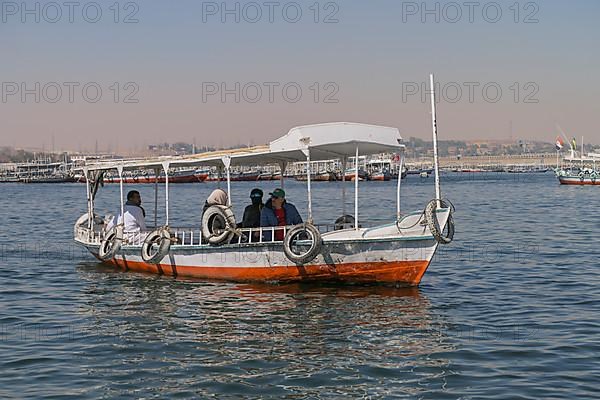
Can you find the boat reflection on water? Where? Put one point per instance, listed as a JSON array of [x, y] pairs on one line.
[[286, 339]]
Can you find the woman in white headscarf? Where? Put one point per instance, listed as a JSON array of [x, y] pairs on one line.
[[218, 197]]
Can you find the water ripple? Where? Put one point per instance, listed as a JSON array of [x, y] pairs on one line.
[[507, 311]]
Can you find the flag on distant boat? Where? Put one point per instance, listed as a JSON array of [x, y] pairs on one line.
[[574, 144], [559, 143]]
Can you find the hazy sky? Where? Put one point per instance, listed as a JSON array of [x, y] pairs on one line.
[[162, 77]]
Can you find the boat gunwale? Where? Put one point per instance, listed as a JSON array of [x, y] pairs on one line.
[[236, 246]]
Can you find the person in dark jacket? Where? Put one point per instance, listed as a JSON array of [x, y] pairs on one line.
[[278, 212], [251, 217]]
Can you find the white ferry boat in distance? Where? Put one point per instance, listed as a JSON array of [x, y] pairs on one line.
[[580, 169]]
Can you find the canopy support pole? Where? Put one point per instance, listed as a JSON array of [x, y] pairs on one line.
[[582, 162], [282, 167], [156, 173], [399, 185], [344, 159], [166, 168], [89, 199], [356, 177], [227, 164], [435, 143], [120, 171], [308, 172]]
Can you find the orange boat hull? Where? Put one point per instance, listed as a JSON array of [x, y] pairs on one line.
[[408, 273]]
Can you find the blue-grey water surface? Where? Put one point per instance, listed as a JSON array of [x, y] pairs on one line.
[[509, 310]]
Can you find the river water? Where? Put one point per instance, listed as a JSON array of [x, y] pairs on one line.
[[508, 310]]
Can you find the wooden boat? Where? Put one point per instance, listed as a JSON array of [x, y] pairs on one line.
[[420, 171], [40, 171], [380, 176], [49, 178], [350, 174], [248, 176], [472, 170], [9, 178], [380, 168], [142, 176], [319, 177], [348, 251], [266, 176], [398, 252]]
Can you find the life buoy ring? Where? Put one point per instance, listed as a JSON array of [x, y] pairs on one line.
[[296, 247], [432, 222], [218, 225], [156, 245], [111, 243], [581, 176]]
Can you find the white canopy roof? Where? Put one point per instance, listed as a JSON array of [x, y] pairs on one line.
[[323, 141]]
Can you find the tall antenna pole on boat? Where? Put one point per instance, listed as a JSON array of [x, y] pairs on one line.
[[400, 167], [435, 142]]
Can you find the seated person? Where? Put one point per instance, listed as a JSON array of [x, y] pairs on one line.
[[133, 219], [218, 197], [278, 212], [251, 217]]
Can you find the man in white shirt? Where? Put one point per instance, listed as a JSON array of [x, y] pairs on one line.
[[134, 217]]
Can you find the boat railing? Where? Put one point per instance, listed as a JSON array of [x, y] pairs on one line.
[[90, 236], [192, 236], [271, 234]]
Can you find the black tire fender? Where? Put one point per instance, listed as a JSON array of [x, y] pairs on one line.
[[111, 244], [434, 225], [218, 225], [304, 257], [160, 237]]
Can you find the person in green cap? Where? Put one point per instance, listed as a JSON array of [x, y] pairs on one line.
[[278, 212]]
